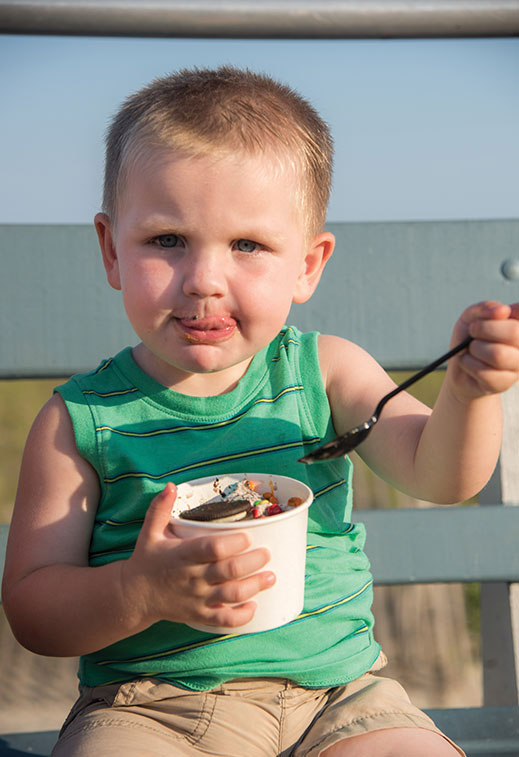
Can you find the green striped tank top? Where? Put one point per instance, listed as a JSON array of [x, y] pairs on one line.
[[138, 435]]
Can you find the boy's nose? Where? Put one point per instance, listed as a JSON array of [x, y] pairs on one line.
[[205, 275]]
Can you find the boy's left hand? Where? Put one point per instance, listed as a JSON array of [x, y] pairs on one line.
[[490, 365]]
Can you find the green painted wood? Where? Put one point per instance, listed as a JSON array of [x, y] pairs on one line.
[[395, 288], [57, 313], [485, 732], [433, 545], [38, 744], [442, 544]]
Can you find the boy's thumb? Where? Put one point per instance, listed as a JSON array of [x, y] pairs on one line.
[[159, 510]]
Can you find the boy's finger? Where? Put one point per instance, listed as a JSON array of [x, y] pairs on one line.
[[158, 514], [490, 379], [502, 331], [211, 549], [499, 355], [485, 310], [237, 566], [233, 617], [237, 592]]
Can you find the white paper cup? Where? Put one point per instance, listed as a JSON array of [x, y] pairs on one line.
[[284, 535]]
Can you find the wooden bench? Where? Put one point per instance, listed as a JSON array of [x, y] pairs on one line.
[[64, 318]]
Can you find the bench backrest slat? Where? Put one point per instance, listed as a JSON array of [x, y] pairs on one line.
[[394, 288], [435, 545], [442, 544]]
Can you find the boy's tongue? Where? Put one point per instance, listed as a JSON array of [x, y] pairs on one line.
[[210, 327]]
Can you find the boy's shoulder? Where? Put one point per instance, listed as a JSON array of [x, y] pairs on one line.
[[329, 350], [291, 334], [108, 376], [295, 344]]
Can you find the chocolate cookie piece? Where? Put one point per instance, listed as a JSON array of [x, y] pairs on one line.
[[219, 510]]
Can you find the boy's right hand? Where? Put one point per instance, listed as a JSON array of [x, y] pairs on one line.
[[205, 579]]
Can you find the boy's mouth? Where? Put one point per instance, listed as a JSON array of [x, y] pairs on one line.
[[206, 329]]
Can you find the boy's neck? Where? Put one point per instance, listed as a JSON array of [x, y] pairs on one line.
[[210, 384]]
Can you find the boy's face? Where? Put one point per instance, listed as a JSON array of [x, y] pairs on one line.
[[209, 255]]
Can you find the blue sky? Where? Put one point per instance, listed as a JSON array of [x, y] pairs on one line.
[[424, 129]]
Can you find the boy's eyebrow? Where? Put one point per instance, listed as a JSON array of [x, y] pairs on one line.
[[153, 222]]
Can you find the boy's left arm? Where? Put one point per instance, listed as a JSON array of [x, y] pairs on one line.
[[448, 454]]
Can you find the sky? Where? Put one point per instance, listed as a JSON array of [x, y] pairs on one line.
[[423, 129]]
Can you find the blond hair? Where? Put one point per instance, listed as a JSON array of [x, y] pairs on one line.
[[211, 111]]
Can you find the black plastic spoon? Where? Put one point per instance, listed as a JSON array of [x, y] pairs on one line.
[[352, 438]]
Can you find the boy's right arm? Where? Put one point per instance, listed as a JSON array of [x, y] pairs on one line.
[[57, 605]]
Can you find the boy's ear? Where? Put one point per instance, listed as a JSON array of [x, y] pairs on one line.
[[107, 245], [318, 253]]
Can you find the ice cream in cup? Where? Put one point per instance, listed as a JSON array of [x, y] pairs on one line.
[[273, 510]]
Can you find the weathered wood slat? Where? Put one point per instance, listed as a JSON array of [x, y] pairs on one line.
[[500, 602], [4, 530], [442, 544], [244, 19], [485, 732], [36, 744], [408, 546], [59, 315]]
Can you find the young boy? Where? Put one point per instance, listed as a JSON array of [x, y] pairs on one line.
[[215, 198]]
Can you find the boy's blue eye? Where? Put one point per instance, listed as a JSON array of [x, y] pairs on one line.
[[245, 245], [168, 240]]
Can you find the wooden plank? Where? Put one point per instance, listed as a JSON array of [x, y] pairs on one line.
[[486, 732], [59, 316], [423, 545], [4, 530], [37, 744], [306, 19], [397, 288], [442, 544], [500, 602]]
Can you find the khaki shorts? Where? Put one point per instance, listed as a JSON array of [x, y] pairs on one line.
[[256, 718]]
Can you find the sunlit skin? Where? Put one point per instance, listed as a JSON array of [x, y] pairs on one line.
[[209, 253]]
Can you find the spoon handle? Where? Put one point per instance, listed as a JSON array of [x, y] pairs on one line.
[[417, 376]]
